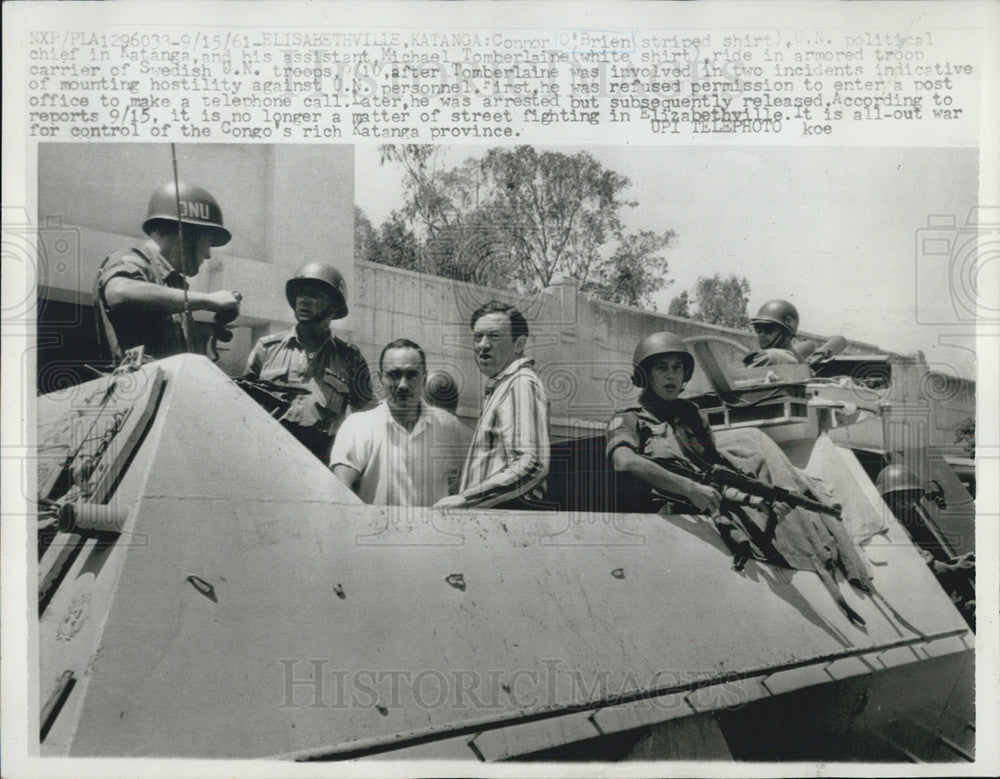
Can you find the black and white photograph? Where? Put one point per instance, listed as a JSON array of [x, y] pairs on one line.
[[404, 419]]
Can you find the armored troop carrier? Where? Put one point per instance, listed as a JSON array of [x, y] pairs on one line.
[[208, 589]]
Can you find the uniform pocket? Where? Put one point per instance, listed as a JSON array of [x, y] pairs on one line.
[[336, 383], [273, 374]]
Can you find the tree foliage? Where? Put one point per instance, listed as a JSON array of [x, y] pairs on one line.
[[718, 301], [520, 218], [364, 235], [680, 305], [965, 434], [392, 244], [635, 271]]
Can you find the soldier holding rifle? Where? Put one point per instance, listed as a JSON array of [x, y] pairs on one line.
[[332, 372], [666, 459]]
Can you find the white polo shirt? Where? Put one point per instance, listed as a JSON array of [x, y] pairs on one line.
[[397, 467]]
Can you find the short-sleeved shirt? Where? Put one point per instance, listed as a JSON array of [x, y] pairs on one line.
[[336, 376], [682, 437], [398, 467], [509, 456], [683, 434], [124, 327]]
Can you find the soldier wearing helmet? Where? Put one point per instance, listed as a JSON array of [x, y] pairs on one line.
[[658, 447], [896, 480], [310, 356], [913, 507], [661, 428], [776, 325], [141, 293]]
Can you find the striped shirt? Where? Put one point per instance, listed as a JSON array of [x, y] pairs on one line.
[[509, 456]]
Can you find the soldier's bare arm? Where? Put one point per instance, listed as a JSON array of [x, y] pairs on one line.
[[123, 291], [701, 495]]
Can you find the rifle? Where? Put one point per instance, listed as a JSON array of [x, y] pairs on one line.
[[766, 495], [272, 396]]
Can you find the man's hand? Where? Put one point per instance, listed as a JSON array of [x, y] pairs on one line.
[[966, 562], [224, 302], [780, 509], [123, 291], [451, 502], [704, 497]]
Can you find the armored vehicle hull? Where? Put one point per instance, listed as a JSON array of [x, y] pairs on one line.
[[247, 605]]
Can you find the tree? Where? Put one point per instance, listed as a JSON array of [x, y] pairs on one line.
[[471, 250], [556, 210], [518, 218], [426, 201], [965, 434], [723, 301], [680, 305], [718, 301], [392, 244], [364, 235], [635, 271]]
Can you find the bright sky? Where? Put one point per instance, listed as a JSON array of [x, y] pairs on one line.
[[834, 230]]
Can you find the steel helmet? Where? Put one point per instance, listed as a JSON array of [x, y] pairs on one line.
[[896, 479], [780, 312], [198, 208], [325, 274], [440, 390], [655, 344]]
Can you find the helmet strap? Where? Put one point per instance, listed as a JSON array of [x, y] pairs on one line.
[[314, 330], [326, 314]]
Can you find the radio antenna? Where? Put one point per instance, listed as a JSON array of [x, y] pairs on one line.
[[186, 321]]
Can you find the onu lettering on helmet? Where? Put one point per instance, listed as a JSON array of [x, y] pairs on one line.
[[195, 210]]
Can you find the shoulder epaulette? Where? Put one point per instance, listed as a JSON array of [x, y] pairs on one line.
[[119, 253]]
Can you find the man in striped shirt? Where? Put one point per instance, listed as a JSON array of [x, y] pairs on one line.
[[509, 457]]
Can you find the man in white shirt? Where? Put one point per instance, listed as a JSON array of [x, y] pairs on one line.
[[403, 452]]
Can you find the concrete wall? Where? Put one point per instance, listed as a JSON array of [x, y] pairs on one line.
[[289, 204], [284, 205], [582, 347]]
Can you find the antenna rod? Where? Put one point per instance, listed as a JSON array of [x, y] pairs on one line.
[[186, 320]]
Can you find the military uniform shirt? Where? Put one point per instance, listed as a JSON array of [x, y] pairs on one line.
[[640, 430], [773, 356], [664, 442], [336, 376], [124, 327]]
